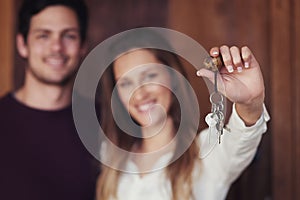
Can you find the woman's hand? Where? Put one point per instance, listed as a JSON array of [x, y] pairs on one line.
[[240, 81]]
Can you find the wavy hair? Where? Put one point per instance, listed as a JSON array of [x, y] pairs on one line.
[[180, 172]]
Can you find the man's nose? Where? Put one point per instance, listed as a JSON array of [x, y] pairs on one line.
[[56, 44]]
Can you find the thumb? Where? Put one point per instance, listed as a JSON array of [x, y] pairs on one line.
[[206, 73], [210, 75]]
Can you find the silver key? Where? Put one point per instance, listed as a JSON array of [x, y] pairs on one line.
[[211, 120], [217, 101]]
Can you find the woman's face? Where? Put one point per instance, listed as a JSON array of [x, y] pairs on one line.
[[142, 85]]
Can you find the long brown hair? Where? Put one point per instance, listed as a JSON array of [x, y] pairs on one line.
[[180, 172]]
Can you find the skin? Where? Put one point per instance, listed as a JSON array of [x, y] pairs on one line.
[[53, 50], [140, 88], [241, 81]]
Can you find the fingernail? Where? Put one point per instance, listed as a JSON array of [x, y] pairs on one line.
[[230, 69], [246, 65], [198, 73], [215, 53], [239, 69]]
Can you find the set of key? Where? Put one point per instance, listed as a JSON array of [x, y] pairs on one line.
[[215, 119]]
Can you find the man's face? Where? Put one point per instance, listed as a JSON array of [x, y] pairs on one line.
[[53, 48]]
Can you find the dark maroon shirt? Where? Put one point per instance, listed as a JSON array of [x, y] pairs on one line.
[[41, 155]]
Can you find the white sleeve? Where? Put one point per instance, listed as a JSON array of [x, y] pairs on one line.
[[237, 148]]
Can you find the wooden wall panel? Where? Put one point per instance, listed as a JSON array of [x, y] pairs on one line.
[[282, 99], [296, 96], [109, 17], [6, 46]]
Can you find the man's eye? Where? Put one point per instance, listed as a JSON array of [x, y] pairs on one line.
[[71, 36], [42, 36]]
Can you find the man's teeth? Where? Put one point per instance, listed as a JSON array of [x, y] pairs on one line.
[[55, 61]]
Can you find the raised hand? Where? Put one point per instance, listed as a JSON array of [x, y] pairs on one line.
[[240, 80]]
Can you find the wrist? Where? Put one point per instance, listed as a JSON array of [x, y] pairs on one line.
[[249, 113]]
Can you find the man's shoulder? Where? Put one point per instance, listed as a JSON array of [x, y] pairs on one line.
[[6, 99], [7, 106]]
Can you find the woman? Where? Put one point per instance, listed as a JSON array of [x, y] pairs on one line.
[[146, 117]]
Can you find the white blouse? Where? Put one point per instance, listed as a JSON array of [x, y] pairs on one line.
[[219, 168]]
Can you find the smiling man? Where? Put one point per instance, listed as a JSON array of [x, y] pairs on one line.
[[41, 154]]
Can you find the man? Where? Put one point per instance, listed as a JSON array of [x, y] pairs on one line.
[[41, 154]]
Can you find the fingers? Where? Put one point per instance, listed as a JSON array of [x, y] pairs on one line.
[[225, 52], [214, 52], [206, 73], [233, 57], [246, 55], [236, 58]]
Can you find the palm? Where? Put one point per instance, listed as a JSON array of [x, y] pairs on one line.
[[242, 87]]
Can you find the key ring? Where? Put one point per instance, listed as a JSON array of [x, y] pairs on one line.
[[216, 98]]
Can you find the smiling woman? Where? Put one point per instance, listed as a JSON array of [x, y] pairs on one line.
[[145, 83], [141, 87], [141, 114]]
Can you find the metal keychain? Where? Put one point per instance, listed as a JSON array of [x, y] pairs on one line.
[[215, 119]]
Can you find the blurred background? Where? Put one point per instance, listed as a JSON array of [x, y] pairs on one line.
[[271, 28]]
